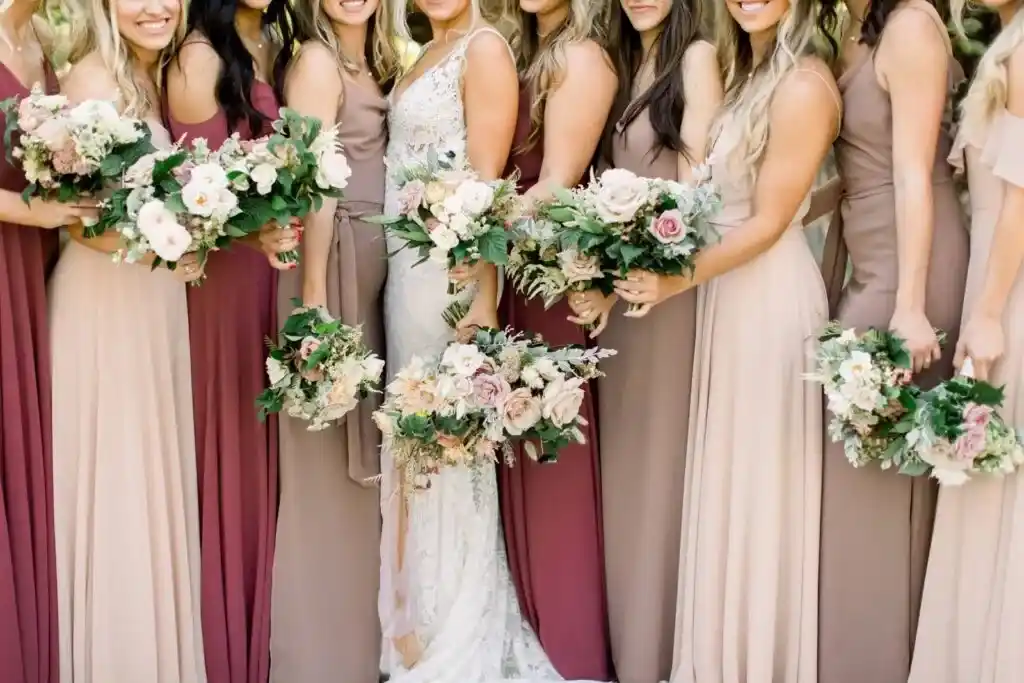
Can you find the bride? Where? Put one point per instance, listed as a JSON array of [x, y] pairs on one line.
[[448, 610]]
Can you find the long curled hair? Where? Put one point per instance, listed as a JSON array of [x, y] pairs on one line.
[[541, 63], [94, 28], [663, 100], [215, 21], [749, 88], [380, 52], [990, 88]]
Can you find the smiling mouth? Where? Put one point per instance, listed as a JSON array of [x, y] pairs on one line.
[[353, 4], [154, 25], [753, 7]]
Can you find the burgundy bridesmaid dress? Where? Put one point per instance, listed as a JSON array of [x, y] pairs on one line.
[[229, 317], [552, 512], [28, 588]]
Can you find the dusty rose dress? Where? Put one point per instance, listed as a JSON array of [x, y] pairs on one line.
[[876, 525], [229, 316], [327, 559], [644, 414], [28, 591], [552, 512]]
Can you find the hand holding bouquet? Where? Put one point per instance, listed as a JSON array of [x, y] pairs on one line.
[[320, 370], [71, 151], [284, 176], [465, 408], [450, 216]]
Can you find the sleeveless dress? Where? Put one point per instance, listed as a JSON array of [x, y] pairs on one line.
[[324, 623], [126, 501], [552, 512], [644, 416], [747, 604], [229, 316], [972, 611], [876, 524], [453, 592], [28, 590]]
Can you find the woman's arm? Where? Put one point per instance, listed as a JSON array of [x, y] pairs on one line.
[[913, 60], [982, 339], [574, 117], [491, 99], [314, 88], [703, 93]]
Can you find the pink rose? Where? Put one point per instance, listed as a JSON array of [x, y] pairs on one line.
[[969, 445], [64, 159], [977, 417], [520, 411], [669, 227], [308, 347], [490, 390]]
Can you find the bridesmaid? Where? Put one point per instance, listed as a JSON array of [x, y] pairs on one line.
[[972, 611], [552, 514], [28, 249], [221, 82], [900, 221], [324, 622], [125, 498], [747, 603], [669, 92]]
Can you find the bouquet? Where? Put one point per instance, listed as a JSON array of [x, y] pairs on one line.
[[450, 216], [617, 223], [467, 407], [68, 152], [542, 263], [286, 175], [957, 432], [868, 389], [320, 370]]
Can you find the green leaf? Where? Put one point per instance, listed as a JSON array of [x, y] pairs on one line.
[[493, 246]]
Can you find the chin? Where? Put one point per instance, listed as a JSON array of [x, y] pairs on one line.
[[256, 4], [535, 6], [755, 16], [442, 10]]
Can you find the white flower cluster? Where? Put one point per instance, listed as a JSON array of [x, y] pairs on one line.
[[465, 408], [59, 140], [451, 207]]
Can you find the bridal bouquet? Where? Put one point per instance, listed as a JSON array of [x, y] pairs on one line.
[[957, 432], [71, 151], [450, 216], [320, 370], [868, 388], [467, 407], [617, 223], [947, 432], [285, 175]]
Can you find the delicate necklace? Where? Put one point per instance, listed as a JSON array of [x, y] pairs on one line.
[[9, 43]]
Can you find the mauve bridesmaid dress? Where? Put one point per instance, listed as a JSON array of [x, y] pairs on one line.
[[552, 512], [229, 317], [28, 599]]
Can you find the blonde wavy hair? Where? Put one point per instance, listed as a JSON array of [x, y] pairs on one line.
[[386, 61], [990, 87], [749, 89], [94, 29], [541, 63]]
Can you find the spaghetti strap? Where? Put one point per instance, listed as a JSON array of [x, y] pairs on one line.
[[832, 91], [486, 29]]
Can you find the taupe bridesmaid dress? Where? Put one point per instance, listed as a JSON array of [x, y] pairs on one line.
[[324, 624], [972, 612], [747, 606], [644, 408], [876, 524]]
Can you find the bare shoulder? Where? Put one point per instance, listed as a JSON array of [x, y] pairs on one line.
[[586, 54], [807, 94], [488, 46], [89, 78], [700, 55], [913, 31], [196, 58], [314, 59]]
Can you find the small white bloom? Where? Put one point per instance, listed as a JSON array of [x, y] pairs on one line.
[[209, 174], [276, 371], [264, 175], [463, 359], [167, 238], [444, 237], [475, 196]]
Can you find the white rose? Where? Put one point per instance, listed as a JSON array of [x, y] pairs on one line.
[[333, 170], [444, 237], [209, 174], [947, 469], [167, 238], [475, 196], [438, 255], [620, 194], [547, 369], [463, 359], [100, 113], [531, 378], [520, 411], [577, 267], [276, 371], [461, 224], [206, 199], [264, 175], [452, 205], [372, 368], [562, 400]]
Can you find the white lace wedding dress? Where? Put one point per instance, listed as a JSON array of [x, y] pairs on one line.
[[454, 591]]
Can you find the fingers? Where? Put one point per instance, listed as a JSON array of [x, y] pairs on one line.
[[638, 311], [277, 264], [602, 322], [981, 370]]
